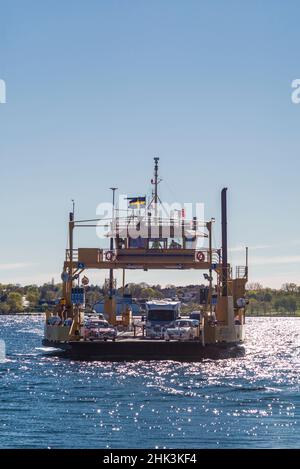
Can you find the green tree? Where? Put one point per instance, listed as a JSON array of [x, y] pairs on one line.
[[286, 304], [32, 296], [150, 293], [292, 305], [267, 297], [15, 302], [4, 307], [188, 308], [289, 287]]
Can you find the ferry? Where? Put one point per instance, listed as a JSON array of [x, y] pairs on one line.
[[146, 239]]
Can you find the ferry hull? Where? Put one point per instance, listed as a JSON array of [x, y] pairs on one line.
[[126, 350]]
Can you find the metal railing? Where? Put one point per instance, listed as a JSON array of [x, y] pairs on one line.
[[74, 254], [214, 260], [241, 271], [166, 225]]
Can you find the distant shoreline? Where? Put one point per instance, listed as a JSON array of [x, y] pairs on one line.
[[276, 315], [281, 315], [32, 313]]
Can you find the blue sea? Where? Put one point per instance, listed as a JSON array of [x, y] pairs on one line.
[[48, 401]]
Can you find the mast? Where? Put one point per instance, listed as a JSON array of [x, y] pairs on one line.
[[111, 271], [155, 197], [156, 160], [70, 278], [209, 225]]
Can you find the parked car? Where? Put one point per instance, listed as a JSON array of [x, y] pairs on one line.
[[183, 329], [195, 322], [98, 329], [94, 314]]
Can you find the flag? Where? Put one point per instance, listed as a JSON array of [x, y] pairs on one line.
[[136, 202]]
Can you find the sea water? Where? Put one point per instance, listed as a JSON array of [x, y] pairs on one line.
[[252, 401]]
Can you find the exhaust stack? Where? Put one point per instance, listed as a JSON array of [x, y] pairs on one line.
[[224, 241]]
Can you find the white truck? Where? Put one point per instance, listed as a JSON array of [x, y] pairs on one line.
[[159, 315]]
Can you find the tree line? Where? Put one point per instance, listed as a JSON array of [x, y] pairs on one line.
[[262, 301], [268, 301]]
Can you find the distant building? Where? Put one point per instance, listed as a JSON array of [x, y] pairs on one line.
[[122, 302], [25, 303]]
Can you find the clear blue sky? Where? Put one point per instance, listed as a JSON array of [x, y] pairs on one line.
[[96, 89]]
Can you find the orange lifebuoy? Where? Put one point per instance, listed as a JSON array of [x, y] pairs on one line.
[[110, 256], [200, 256]]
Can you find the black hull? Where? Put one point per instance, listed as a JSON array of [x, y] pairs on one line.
[[127, 350]]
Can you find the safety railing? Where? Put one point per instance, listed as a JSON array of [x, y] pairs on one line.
[[200, 254], [169, 227], [241, 271], [74, 255]]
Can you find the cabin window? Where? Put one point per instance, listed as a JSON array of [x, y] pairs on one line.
[[158, 243], [137, 242], [191, 243], [161, 315], [174, 244]]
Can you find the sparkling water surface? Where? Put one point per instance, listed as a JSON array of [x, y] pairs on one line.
[[246, 402]]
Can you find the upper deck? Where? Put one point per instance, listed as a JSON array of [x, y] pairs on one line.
[[137, 243]]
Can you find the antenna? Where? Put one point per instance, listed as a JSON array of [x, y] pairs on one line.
[[156, 160], [155, 197], [72, 214]]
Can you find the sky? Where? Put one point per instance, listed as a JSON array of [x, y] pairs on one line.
[[96, 89]]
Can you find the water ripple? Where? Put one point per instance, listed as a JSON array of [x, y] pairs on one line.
[[250, 401]]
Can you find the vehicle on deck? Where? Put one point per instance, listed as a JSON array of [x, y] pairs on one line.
[[98, 329], [196, 315], [183, 329], [159, 315], [149, 237], [94, 314]]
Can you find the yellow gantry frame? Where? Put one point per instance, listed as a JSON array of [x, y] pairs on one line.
[[180, 259]]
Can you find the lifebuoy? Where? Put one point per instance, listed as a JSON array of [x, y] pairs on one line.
[[200, 256], [85, 281], [110, 256]]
